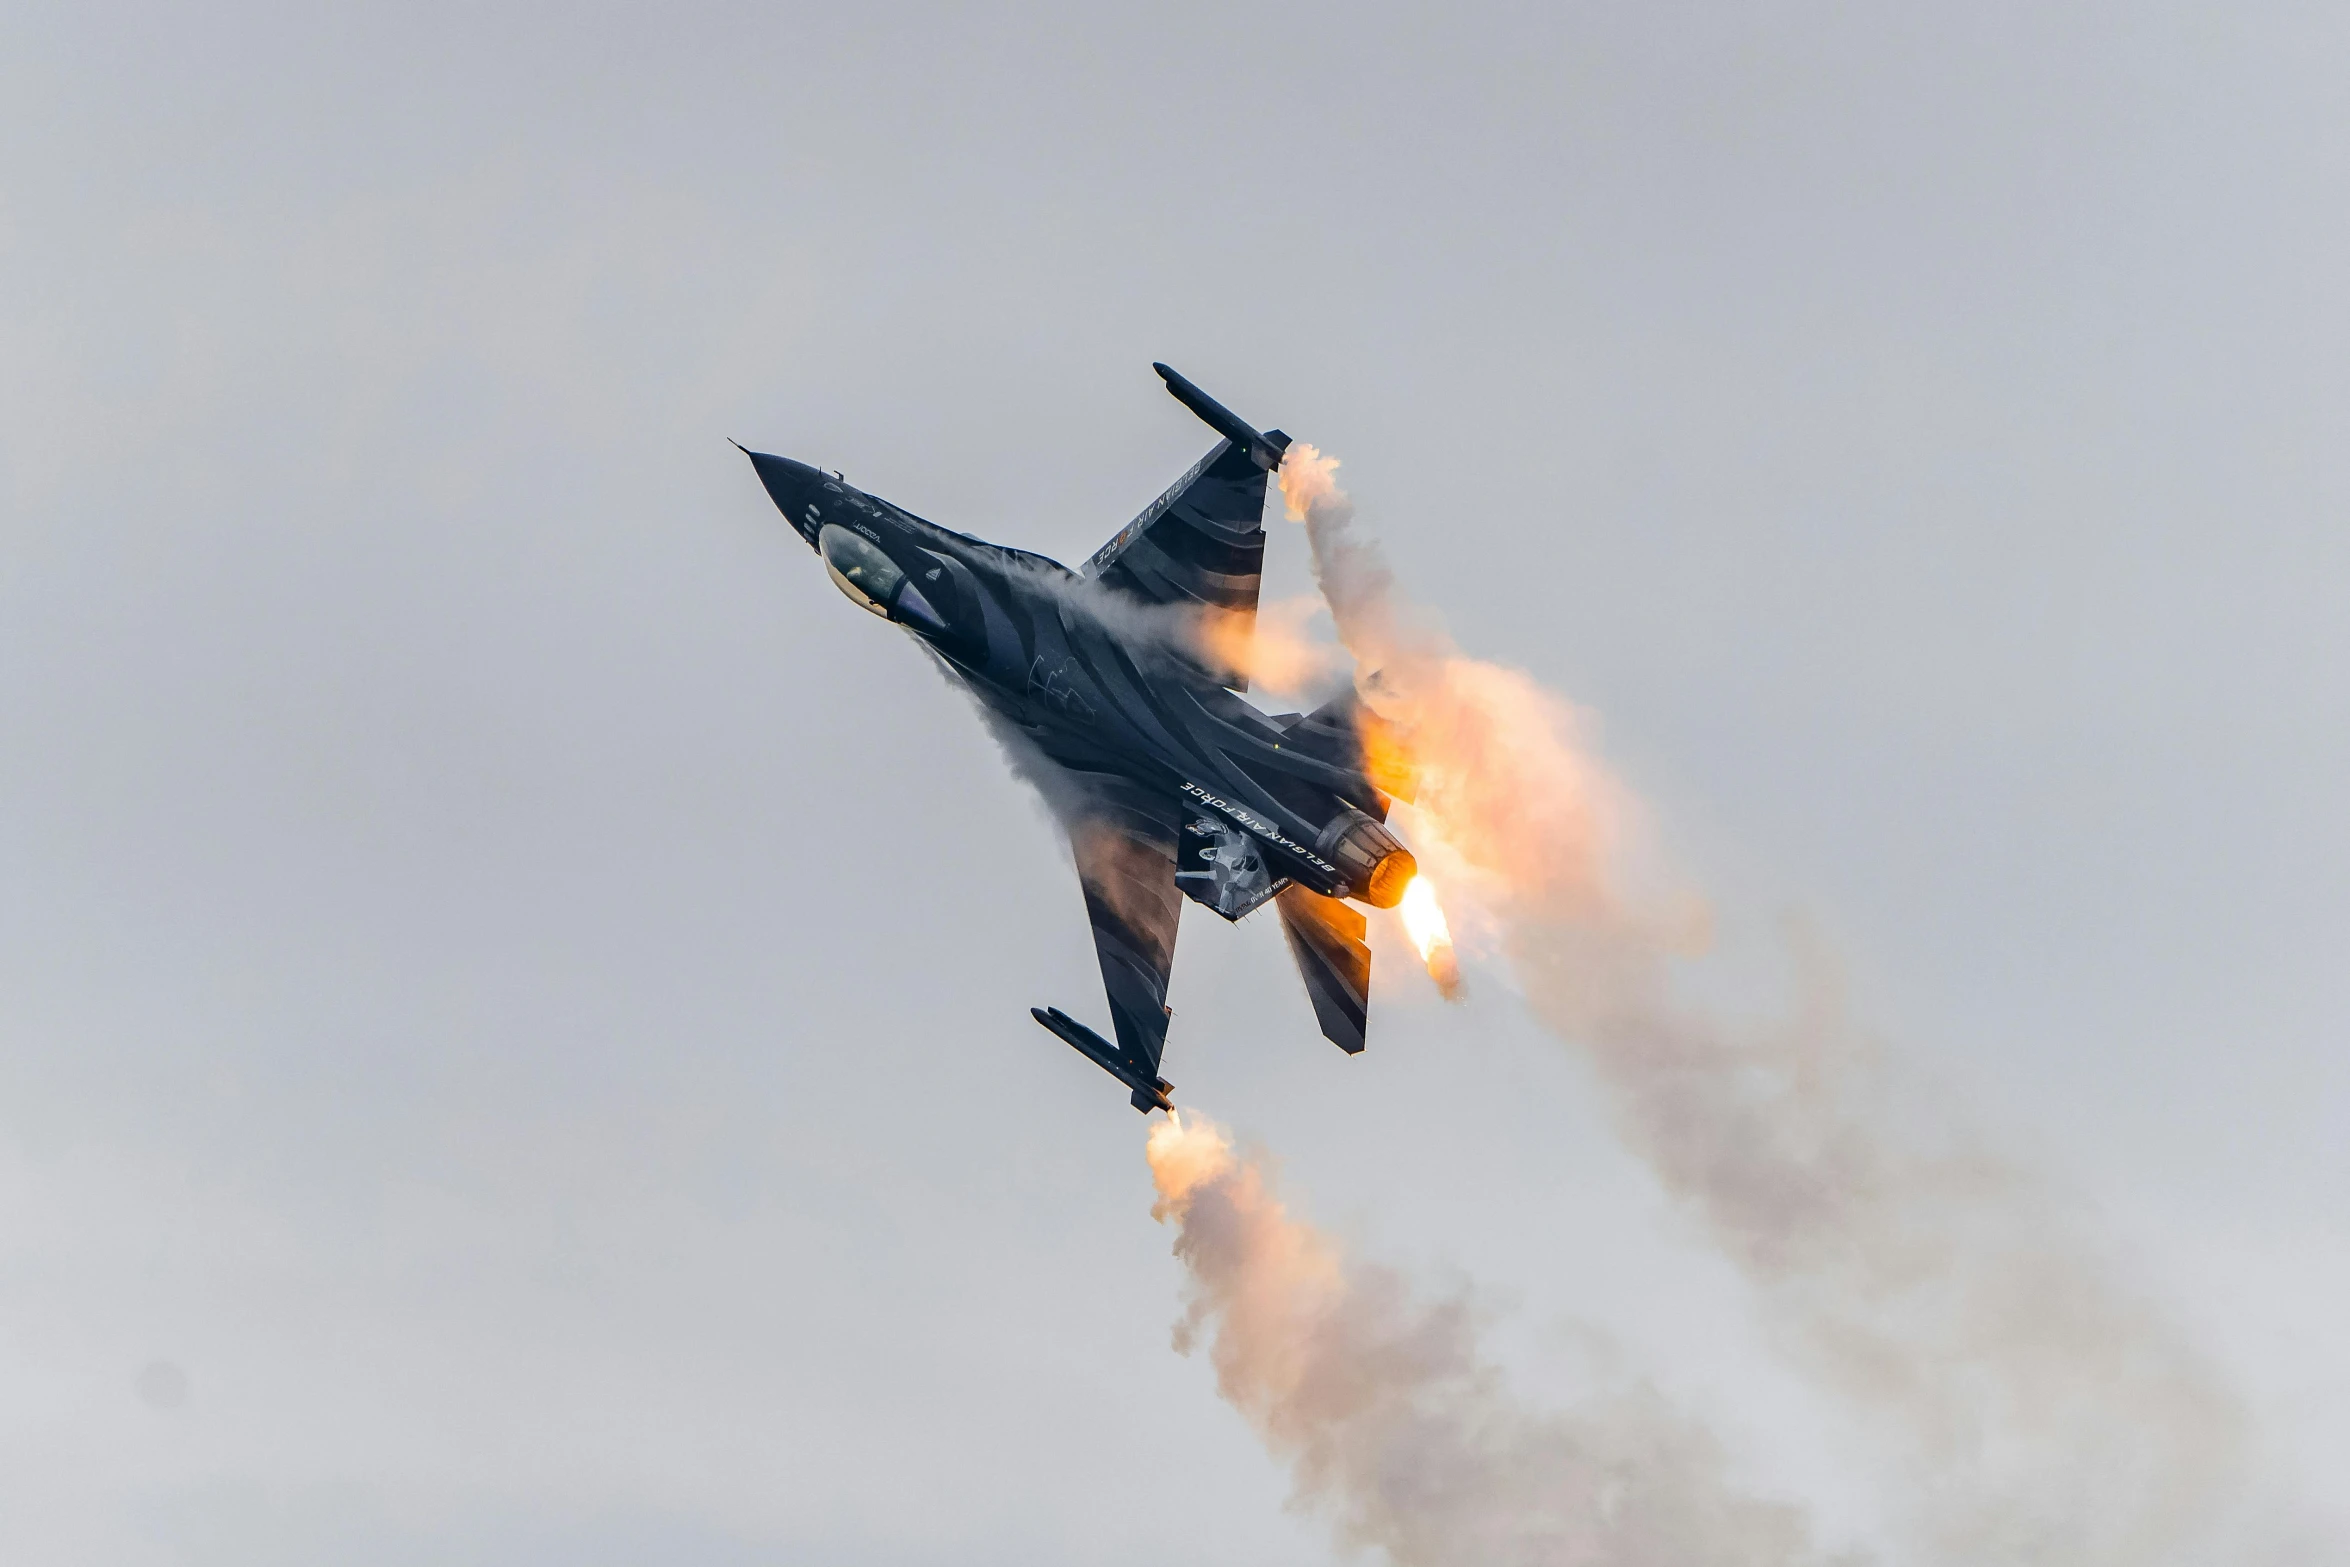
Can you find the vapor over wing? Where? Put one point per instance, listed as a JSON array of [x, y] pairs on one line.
[[1124, 838], [1201, 545], [1326, 937], [1367, 750]]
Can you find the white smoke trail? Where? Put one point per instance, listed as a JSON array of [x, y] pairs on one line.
[[1270, 647], [2049, 1414], [1397, 1427]]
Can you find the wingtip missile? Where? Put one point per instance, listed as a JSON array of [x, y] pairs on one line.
[[1264, 447], [1149, 1092]]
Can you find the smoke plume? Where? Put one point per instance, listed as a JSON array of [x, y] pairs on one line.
[[2046, 1413], [1399, 1429]]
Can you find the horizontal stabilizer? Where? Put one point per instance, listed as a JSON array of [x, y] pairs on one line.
[[1326, 937]]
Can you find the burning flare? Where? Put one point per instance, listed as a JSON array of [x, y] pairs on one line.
[[1423, 921], [1915, 1273]]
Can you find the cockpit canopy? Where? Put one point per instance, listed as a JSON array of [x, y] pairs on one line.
[[859, 569]]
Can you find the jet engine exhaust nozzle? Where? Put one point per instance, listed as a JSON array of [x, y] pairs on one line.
[[1378, 867]]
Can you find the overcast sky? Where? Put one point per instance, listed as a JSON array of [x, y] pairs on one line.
[[513, 1038]]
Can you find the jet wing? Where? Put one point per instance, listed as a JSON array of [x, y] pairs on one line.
[[1125, 837], [1326, 937], [1201, 545]]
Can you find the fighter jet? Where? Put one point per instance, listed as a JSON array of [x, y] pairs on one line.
[[1117, 688]]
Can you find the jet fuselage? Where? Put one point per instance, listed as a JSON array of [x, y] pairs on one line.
[[1099, 683], [1115, 688]]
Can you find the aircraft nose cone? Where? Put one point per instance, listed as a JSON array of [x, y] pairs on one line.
[[796, 489]]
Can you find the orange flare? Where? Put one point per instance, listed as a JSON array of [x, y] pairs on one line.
[[1423, 921]]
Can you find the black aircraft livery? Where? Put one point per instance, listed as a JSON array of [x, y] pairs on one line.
[[1117, 687]]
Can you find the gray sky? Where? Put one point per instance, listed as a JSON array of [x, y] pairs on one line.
[[518, 992]]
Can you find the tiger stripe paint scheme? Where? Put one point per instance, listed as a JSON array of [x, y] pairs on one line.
[[1100, 685]]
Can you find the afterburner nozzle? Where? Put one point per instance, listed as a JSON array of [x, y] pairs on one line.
[[1390, 878], [1374, 864]]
